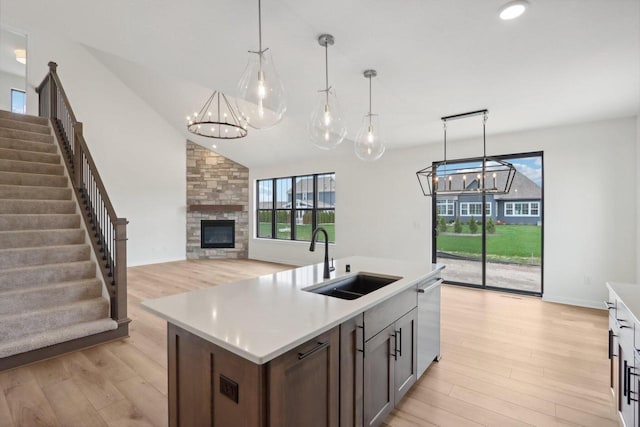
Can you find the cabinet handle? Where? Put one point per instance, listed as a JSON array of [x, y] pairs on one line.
[[315, 349], [420, 291], [611, 337], [610, 305], [399, 342], [621, 324], [360, 350], [625, 379], [395, 345]]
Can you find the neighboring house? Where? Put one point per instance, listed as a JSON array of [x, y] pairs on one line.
[[326, 191], [522, 205]]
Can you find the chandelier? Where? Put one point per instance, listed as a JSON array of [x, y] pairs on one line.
[[222, 122], [492, 175]]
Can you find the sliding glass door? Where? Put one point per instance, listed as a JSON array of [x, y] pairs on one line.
[[498, 245]]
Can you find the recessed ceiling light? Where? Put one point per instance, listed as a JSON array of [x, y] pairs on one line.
[[21, 55], [513, 9]]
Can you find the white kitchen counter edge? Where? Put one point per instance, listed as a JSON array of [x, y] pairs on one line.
[[382, 295], [630, 299]]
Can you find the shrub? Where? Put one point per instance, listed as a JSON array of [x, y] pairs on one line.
[[326, 217], [306, 218], [442, 224], [491, 226], [457, 226], [473, 225]]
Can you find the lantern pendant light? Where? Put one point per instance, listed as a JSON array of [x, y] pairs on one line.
[[368, 144], [326, 128], [262, 101]]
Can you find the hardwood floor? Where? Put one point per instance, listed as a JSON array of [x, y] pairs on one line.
[[506, 361]]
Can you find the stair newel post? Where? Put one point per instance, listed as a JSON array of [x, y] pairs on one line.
[[77, 156], [119, 303], [53, 92]]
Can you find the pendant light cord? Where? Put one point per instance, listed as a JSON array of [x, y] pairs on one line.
[[326, 72], [369, 101], [260, 26]]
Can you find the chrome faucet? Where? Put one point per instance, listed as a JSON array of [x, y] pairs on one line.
[[312, 248]]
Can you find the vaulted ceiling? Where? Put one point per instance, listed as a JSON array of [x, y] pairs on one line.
[[562, 62]]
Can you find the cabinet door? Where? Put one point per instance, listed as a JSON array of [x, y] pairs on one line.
[[405, 354], [351, 365], [304, 384], [428, 343], [379, 378], [625, 358]]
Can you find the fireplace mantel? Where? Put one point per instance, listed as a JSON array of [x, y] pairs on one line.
[[216, 208]]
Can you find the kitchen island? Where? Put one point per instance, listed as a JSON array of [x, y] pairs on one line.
[[267, 351]]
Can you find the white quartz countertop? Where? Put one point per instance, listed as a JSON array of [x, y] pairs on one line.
[[259, 319], [629, 293]]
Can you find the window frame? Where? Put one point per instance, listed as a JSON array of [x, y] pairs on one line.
[[512, 206], [468, 204], [24, 105], [449, 207], [293, 209]]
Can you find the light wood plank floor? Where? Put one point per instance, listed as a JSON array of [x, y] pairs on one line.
[[506, 361]]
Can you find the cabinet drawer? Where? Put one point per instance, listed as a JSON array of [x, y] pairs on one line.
[[625, 325], [384, 314]]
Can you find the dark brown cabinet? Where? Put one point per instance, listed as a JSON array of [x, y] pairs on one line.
[[210, 386], [405, 336], [389, 368], [351, 371], [304, 384]]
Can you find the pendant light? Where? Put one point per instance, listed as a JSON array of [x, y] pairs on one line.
[[490, 175], [368, 144], [262, 99], [222, 123], [326, 128]]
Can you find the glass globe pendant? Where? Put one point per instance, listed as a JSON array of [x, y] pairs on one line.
[[261, 94], [368, 143], [326, 128]]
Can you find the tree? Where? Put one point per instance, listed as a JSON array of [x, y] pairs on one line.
[[442, 224], [473, 225], [457, 226], [491, 226]]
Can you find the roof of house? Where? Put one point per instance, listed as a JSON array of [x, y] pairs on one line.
[[522, 188]]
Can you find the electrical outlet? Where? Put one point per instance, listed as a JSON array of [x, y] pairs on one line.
[[229, 388]]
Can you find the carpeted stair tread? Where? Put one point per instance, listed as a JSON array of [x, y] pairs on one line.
[[13, 326], [17, 278], [24, 118], [27, 192], [35, 238], [30, 167], [17, 222], [26, 126], [12, 206], [23, 300], [27, 257], [29, 156], [33, 179], [35, 147], [23, 134], [56, 336]]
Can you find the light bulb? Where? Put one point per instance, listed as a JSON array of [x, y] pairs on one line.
[[327, 115], [261, 96], [513, 9], [368, 143], [326, 128]]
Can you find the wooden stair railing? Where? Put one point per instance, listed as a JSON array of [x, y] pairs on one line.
[[108, 232]]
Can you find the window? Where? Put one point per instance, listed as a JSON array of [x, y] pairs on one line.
[[522, 209], [474, 209], [290, 208], [18, 101], [445, 207]]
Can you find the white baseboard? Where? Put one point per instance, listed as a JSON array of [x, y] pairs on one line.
[[574, 301]]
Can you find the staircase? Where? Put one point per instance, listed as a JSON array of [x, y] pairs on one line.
[[51, 297]]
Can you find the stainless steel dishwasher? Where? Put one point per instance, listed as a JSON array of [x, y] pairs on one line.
[[428, 346]]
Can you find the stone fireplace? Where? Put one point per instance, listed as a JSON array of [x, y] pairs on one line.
[[217, 205]]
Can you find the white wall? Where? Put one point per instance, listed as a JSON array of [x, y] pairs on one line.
[[9, 81], [590, 204], [140, 157], [638, 198]]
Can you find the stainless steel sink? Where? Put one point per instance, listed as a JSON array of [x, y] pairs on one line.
[[354, 286]]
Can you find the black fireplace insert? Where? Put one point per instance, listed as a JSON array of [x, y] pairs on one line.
[[217, 233]]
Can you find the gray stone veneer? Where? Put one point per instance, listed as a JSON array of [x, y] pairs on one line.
[[215, 180]]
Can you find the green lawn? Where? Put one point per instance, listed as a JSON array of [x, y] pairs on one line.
[[510, 243], [303, 231]]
